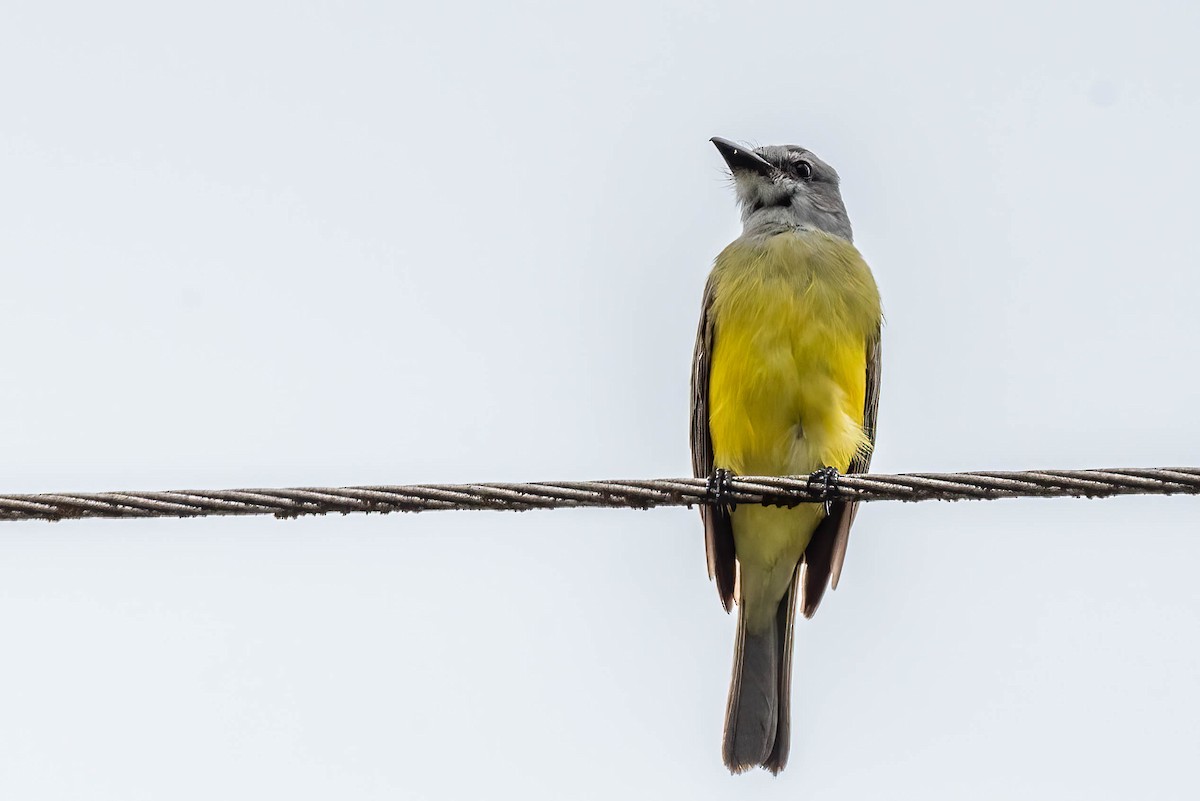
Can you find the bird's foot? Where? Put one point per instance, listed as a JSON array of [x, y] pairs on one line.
[[825, 481], [718, 488]]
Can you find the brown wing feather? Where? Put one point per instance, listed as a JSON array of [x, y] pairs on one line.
[[718, 524], [827, 551]]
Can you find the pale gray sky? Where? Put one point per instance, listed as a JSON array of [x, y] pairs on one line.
[[337, 243]]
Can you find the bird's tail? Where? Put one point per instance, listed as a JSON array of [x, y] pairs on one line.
[[757, 720]]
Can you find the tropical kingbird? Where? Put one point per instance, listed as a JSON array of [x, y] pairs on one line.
[[785, 381]]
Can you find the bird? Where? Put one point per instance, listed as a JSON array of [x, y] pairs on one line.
[[785, 381]]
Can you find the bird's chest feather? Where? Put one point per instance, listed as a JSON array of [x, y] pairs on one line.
[[787, 383]]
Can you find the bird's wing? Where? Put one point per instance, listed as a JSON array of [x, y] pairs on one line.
[[718, 523], [827, 550]]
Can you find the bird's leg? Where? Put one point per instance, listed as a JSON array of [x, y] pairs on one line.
[[718, 487], [826, 478]]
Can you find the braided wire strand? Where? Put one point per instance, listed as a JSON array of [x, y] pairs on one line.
[[628, 493]]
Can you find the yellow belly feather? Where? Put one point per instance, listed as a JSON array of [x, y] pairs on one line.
[[792, 317]]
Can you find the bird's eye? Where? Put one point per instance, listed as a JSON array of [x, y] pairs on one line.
[[802, 169]]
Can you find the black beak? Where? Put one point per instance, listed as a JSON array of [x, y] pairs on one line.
[[739, 158]]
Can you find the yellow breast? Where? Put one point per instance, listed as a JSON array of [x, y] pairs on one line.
[[792, 316]]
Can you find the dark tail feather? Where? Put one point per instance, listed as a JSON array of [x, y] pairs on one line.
[[757, 720], [785, 620], [753, 712]]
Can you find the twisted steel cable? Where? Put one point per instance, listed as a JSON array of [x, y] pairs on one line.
[[636, 494]]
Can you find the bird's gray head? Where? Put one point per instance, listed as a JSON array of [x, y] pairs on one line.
[[785, 186]]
